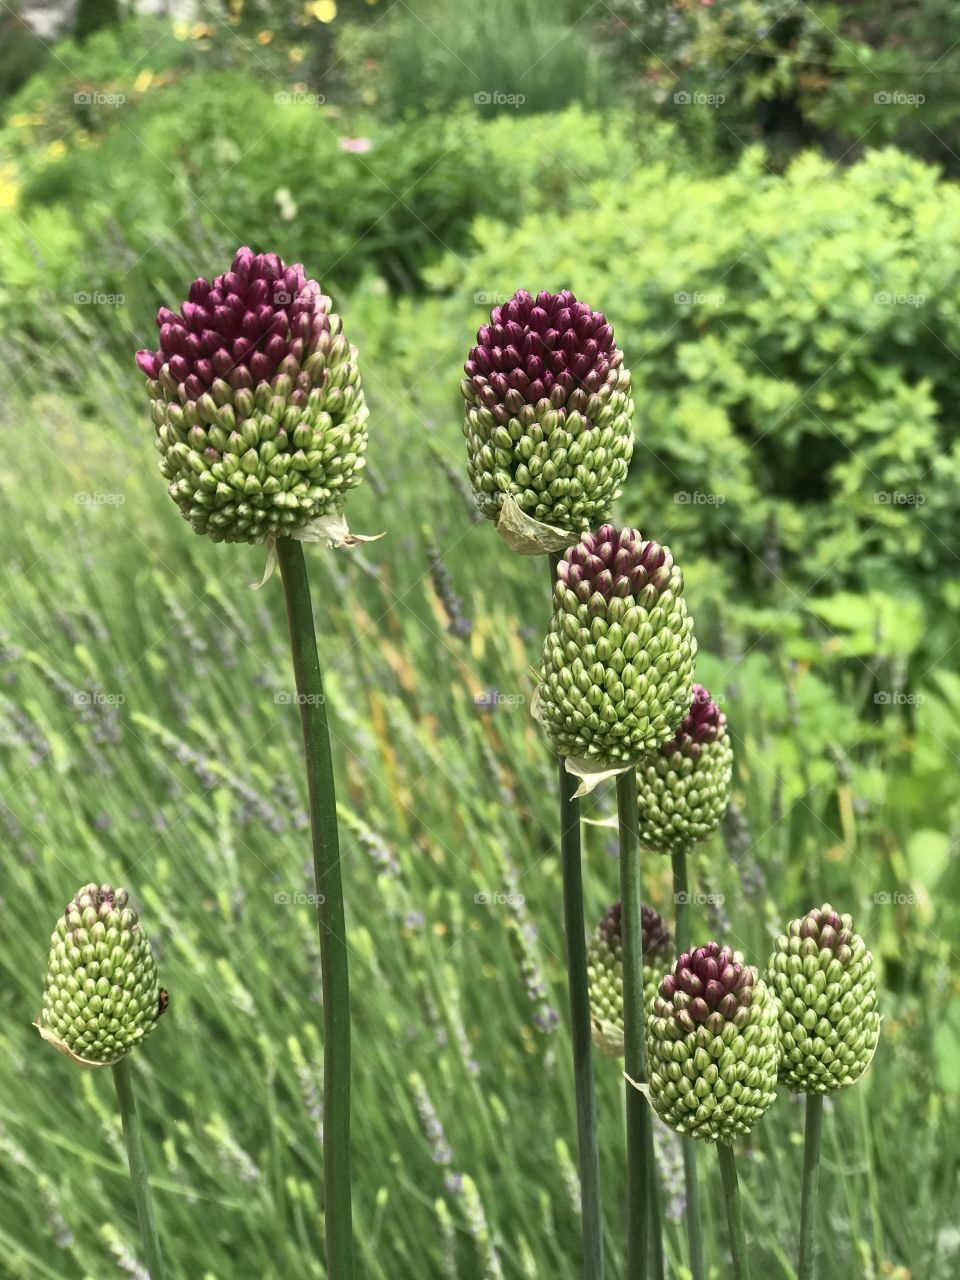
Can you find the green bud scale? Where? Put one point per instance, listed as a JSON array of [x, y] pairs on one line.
[[824, 981], [259, 414], [684, 786], [616, 677], [605, 972], [101, 996], [713, 1046], [549, 419]]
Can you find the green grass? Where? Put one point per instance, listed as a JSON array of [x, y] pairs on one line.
[[189, 791]]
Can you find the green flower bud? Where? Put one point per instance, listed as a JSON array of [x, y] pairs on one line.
[[713, 1046], [684, 787], [101, 996], [825, 985], [549, 419], [616, 677], [605, 972]]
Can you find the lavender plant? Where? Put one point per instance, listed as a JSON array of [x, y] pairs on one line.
[[101, 999], [260, 424], [714, 1049], [825, 990]]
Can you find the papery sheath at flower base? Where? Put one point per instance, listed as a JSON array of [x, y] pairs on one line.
[[616, 676], [101, 996], [825, 985], [259, 413], [684, 786], [713, 1045], [605, 969], [549, 418]]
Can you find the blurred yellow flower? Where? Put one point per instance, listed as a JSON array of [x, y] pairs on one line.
[[264, 37], [143, 81], [21, 120], [9, 187], [295, 55], [200, 31], [181, 31], [57, 150], [322, 10]]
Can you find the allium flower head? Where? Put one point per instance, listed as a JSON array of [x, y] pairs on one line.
[[712, 1045], [548, 411], [605, 971], [259, 413], [101, 996], [684, 787], [823, 978], [617, 668]]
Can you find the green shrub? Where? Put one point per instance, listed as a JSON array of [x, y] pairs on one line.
[[793, 342]]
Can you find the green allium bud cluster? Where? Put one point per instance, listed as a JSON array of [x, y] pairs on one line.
[[616, 677], [259, 413], [605, 972], [101, 995], [549, 419], [713, 1046], [684, 787], [823, 978]]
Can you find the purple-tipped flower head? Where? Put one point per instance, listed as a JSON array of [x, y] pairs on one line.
[[548, 411], [605, 971], [101, 996], [825, 985], [259, 413], [617, 668], [712, 1045], [684, 787]]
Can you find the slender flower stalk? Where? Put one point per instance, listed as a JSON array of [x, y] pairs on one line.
[[734, 1209], [580, 1025], [101, 999], [810, 1186], [330, 911], [825, 990], [681, 898], [139, 1178], [644, 1233]]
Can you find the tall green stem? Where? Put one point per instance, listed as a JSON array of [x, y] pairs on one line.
[[133, 1137], [330, 915], [578, 983], [731, 1200], [640, 1159], [681, 899], [809, 1193]]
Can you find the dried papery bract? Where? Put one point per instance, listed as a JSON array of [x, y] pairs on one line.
[[825, 986], [101, 999]]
